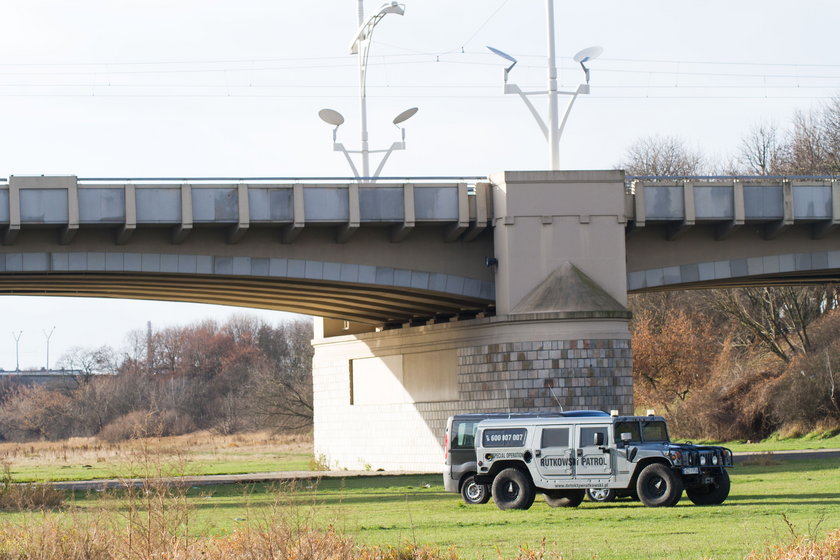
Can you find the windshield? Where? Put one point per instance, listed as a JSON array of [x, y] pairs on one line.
[[631, 428], [654, 431]]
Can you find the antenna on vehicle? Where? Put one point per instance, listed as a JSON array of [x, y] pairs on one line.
[[550, 384]]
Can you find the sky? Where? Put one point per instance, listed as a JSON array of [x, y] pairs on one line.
[[210, 88]]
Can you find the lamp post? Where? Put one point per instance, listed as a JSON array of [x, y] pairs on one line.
[[554, 129], [48, 337], [361, 46], [17, 349]]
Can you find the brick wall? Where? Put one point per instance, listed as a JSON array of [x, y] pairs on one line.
[[585, 373]]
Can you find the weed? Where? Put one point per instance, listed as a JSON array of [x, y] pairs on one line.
[[765, 459]]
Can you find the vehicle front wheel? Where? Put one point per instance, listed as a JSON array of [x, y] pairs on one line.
[[658, 486], [564, 498], [512, 489], [711, 494], [473, 492], [600, 494]]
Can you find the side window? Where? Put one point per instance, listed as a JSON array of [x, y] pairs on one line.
[[587, 435], [630, 427], [465, 435], [555, 437]]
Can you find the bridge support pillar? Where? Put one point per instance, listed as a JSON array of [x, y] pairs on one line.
[[560, 338]]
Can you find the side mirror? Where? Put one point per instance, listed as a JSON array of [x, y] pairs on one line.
[[599, 439]]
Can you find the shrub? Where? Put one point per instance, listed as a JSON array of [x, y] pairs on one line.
[[146, 424], [27, 497], [803, 548]]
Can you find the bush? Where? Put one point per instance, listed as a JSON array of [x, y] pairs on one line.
[[803, 548], [27, 497], [146, 424]]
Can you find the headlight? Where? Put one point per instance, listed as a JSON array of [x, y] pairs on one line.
[[702, 459], [715, 460], [676, 457]]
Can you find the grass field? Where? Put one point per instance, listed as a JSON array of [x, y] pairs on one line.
[[818, 440], [208, 453], [390, 510], [199, 453]]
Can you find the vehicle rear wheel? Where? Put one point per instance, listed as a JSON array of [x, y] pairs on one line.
[[711, 494], [512, 489], [473, 492], [564, 498], [600, 494], [658, 486]]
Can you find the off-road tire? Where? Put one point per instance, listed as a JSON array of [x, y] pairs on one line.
[[711, 494], [564, 498], [512, 489], [600, 495], [659, 486], [474, 493]]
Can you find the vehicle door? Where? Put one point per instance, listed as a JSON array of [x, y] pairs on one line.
[[462, 445], [553, 451], [593, 459]]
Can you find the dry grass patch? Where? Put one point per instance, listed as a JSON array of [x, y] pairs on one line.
[[765, 459], [804, 548], [30, 460]]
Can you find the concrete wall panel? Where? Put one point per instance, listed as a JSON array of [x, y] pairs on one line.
[[713, 202], [158, 206], [215, 204], [270, 205], [326, 204], [43, 206], [101, 205], [436, 203], [381, 204], [811, 202], [664, 203], [4, 205], [763, 202]]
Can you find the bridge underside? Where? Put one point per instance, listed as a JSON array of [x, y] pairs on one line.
[[376, 305]]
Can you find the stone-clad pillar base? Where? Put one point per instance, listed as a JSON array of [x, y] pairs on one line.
[[382, 399]]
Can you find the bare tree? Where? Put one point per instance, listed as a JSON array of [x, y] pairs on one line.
[[662, 156], [775, 318], [282, 392], [762, 150], [89, 362]]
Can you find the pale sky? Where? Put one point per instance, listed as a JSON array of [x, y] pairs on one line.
[[209, 88]]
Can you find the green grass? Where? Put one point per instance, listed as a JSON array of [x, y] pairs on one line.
[[389, 510], [816, 440], [56, 471]]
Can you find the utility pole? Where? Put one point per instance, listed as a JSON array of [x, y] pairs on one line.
[[17, 349]]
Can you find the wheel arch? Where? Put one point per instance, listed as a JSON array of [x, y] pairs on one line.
[[640, 466], [463, 479]]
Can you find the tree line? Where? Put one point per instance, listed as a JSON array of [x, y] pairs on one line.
[[241, 375], [743, 363]]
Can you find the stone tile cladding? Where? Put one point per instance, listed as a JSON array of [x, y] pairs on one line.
[[584, 374], [591, 374]]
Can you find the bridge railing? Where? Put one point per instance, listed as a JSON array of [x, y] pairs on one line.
[[461, 204], [729, 202]]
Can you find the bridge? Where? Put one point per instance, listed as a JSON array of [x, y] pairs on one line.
[[434, 295]]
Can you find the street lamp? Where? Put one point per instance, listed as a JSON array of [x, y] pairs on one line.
[[48, 337], [17, 349], [361, 47], [552, 131]]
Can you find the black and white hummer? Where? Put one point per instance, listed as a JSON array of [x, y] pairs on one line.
[[459, 451], [562, 457]]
